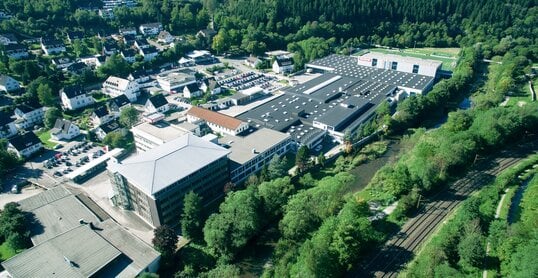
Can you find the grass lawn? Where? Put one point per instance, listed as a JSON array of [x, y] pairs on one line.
[[521, 95], [448, 56], [44, 136], [6, 252]]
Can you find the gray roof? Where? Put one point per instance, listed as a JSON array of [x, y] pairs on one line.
[[4, 79], [80, 252], [24, 141], [245, 148], [57, 211], [348, 66], [62, 126], [156, 169]]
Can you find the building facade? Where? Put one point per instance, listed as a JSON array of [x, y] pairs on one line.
[[75, 97], [218, 122], [115, 86], [171, 170]]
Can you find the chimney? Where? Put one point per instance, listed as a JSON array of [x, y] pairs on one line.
[[81, 221]]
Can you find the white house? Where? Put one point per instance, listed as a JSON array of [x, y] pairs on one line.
[[94, 61], [7, 39], [192, 90], [149, 53], [8, 84], [64, 130], [129, 55], [127, 31], [106, 13], [157, 103], [110, 47], [165, 37], [283, 65], [151, 29], [138, 76], [52, 46], [118, 103], [62, 63], [211, 85], [219, 123], [29, 115], [7, 125], [25, 145], [103, 130], [101, 115], [116, 86], [75, 97], [15, 51], [253, 61]]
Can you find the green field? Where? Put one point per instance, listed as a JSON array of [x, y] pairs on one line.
[[44, 136], [448, 56], [522, 95]]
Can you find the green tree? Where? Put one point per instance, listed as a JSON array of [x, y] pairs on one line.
[[227, 270], [51, 115], [277, 167], [114, 65], [128, 117], [274, 195], [165, 241], [117, 139], [13, 226], [45, 95], [321, 159], [192, 217], [472, 250], [302, 158]]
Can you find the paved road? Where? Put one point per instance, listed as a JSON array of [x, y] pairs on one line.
[[393, 256]]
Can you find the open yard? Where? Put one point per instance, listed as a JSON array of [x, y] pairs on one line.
[[522, 95], [448, 56], [6, 251], [44, 136]]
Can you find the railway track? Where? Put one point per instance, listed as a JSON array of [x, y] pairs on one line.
[[393, 256]]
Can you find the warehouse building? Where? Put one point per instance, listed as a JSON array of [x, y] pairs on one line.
[[400, 63]]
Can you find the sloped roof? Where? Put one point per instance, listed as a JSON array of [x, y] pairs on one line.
[[158, 100], [168, 163], [129, 52], [215, 117], [117, 82], [24, 141], [5, 118], [101, 111], [120, 100], [110, 126], [5, 78], [62, 126], [284, 61], [73, 91], [193, 87]]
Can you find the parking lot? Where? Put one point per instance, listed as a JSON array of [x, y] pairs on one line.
[[71, 158]]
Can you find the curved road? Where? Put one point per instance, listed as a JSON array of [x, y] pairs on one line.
[[399, 250]]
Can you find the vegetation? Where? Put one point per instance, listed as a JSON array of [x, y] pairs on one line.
[[51, 115], [14, 225], [129, 117], [192, 217], [165, 241]]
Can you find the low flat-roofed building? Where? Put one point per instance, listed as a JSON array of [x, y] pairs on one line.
[[70, 240], [150, 135], [218, 122], [249, 153], [175, 81], [171, 170]]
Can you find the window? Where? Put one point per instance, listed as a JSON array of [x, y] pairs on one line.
[[415, 68], [374, 62], [394, 65]]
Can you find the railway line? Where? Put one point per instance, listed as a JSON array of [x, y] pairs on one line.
[[389, 260]]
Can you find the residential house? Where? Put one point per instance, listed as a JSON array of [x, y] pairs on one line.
[[157, 103], [141, 43], [28, 115], [110, 47], [151, 29], [111, 4], [192, 90], [101, 115], [15, 51], [139, 76], [219, 123], [212, 86], [8, 84], [62, 62], [128, 39], [103, 130], [64, 130], [75, 35], [149, 53], [165, 37], [129, 55], [206, 33], [184, 62], [76, 68], [25, 145], [94, 61], [118, 103], [283, 65], [75, 97], [7, 125], [7, 39], [253, 61], [51, 46], [115, 86], [106, 13], [128, 31]]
